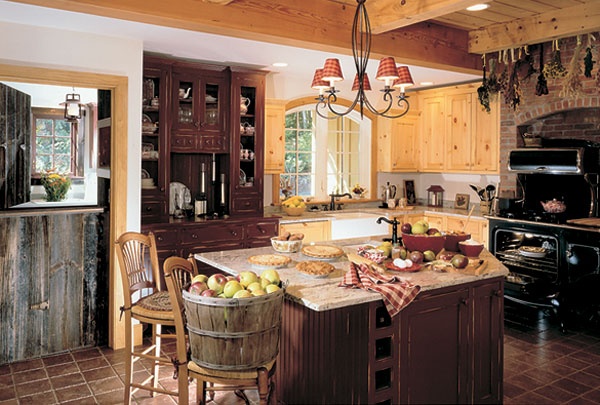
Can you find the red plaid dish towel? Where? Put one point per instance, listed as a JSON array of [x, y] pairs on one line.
[[396, 293]]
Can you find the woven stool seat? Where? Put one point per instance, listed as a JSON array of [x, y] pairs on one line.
[[157, 306]]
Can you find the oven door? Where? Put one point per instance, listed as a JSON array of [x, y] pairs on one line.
[[533, 261]]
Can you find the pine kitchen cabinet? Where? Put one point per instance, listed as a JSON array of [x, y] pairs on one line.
[[397, 144], [274, 136], [456, 133], [314, 231]]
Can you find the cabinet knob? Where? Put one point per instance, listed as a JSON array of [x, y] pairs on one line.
[[159, 238], [148, 208], [261, 230], [234, 233], [498, 293], [194, 236], [464, 301], [247, 204]]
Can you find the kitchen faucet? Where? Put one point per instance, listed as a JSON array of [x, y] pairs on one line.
[[333, 197], [394, 225]]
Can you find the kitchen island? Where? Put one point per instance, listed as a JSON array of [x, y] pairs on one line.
[[341, 346]]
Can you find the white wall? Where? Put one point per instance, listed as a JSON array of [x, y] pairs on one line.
[[45, 47]]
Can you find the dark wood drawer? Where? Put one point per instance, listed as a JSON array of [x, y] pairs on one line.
[[183, 143], [249, 205], [165, 237], [152, 209], [214, 233], [261, 229]]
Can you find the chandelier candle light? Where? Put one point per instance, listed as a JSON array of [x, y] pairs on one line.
[[395, 77]]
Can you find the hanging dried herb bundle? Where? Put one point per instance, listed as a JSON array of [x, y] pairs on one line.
[[492, 83], [588, 62], [513, 94], [526, 64], [554, 68], [483, 92], [541, 88], [572, 85]]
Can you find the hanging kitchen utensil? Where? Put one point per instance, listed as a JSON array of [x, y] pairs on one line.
[[477, 190], [490, 190], [541, 88]]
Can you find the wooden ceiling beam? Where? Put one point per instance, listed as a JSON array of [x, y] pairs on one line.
[[387, 15], [581, 19], [311, 24]]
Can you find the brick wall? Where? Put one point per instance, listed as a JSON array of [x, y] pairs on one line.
[[551, 115]]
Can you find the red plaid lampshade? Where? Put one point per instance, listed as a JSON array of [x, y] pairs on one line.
[[318, 83], [366, 83], [404, 78], [387, 70], [332, 71]]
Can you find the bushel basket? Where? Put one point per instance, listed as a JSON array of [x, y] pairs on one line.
[[233, 334]]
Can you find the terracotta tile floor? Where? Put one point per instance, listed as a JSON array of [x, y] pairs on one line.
[[542, 366]]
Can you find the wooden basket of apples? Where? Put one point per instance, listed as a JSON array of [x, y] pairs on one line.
[[225, 313]]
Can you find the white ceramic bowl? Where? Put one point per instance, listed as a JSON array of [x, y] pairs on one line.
[[286, 246]]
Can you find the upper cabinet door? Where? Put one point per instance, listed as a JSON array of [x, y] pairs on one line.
[[15, 147], [199, 113], [433, 134]]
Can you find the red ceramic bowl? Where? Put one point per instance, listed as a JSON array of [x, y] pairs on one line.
[[452, 240], [470, 249], [423, 242]]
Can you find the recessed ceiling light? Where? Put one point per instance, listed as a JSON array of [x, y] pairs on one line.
[[477, 7], [280, 64]]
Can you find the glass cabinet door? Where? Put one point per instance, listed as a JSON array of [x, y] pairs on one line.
[[185, 103], [151, 134], [247, 157]]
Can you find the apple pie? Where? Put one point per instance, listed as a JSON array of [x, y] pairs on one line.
[[269, 260], [315, 268], [322, 251]]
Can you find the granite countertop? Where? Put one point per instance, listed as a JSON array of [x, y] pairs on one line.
[[322, 294], [313, 216]]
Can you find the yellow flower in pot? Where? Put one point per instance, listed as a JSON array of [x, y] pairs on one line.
[[56, 185]]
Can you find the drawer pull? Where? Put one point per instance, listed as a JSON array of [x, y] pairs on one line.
[[194, 236], [234, 233], [159, 238], [464, 301], [498, 293], [261, 230]]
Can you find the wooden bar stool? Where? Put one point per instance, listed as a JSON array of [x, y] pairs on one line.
[[145, 302], [260, 378]]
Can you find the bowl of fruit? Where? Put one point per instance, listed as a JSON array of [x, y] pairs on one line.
[[422, 238], [294, 206], [287, 243]]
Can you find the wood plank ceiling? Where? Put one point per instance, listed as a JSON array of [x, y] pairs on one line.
[[430, 33]]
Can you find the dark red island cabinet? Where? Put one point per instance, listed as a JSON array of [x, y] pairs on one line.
[[445, 347]]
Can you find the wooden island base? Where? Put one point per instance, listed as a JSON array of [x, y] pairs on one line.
[[445, 347]]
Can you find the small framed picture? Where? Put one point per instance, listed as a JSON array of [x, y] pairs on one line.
[[409, 192], [461, 201]]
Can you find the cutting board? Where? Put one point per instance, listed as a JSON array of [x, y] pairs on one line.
[[593, 222]]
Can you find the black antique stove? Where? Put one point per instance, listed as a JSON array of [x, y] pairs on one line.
[[553, 263]]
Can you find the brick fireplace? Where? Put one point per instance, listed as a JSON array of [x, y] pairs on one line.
[[551, 116]]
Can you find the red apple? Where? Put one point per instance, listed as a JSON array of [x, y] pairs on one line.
[[209, 293], [198, 287]]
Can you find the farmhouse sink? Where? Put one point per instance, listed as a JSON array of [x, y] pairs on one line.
[[346, 225]]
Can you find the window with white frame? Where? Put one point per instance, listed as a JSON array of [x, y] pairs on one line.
[[325, 156]]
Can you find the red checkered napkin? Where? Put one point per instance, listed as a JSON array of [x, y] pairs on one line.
[[396, 293]]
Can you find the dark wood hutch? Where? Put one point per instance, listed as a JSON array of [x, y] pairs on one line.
[[193, 115]]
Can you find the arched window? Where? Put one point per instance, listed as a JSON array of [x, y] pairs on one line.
[[326, 156]]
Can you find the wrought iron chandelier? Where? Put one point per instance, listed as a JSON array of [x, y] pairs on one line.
[[72, 106], [395, 77]]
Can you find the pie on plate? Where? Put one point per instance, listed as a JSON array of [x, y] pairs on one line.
[[315, 268], [322, 251], [269, 260], [532, 251]]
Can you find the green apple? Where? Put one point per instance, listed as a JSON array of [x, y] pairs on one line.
[[254, 286], [264, 282], [247, 277], [200, 278], [243, 294], [271, 288], [257, 293], [419, 228], [271, 275], [231, 287]]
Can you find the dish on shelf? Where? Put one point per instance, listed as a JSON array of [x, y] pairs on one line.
[[148, 151], [242, 177], [147, 124], [210, 99], [179, 189], [145, 174], [532, 251]]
